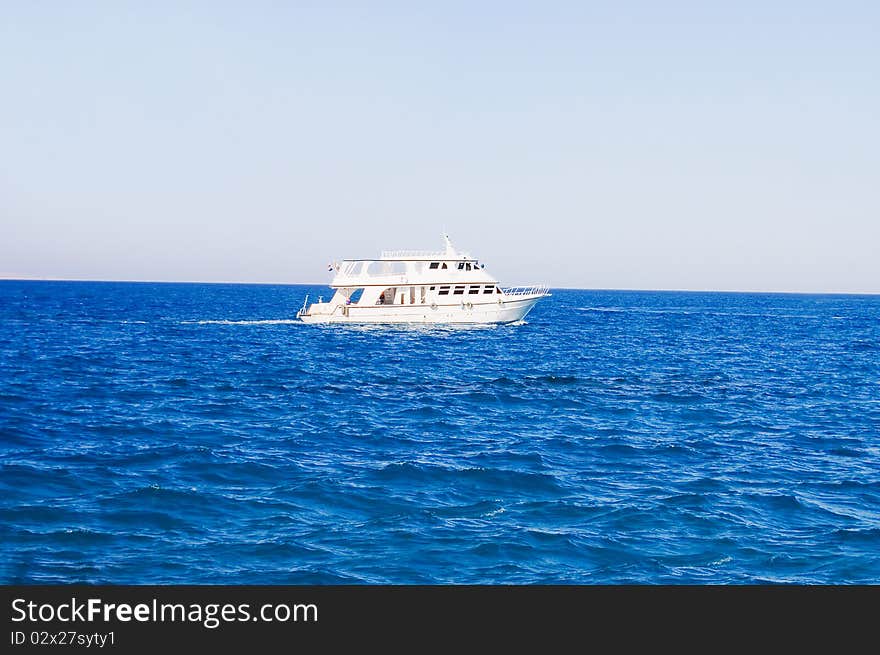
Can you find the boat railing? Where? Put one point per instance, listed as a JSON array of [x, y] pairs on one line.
[[534, 290], [305, 308], [424, 254], [402, 254]]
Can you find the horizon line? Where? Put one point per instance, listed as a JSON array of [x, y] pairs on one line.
[[325, 284]]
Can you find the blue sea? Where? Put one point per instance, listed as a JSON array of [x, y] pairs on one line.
[[196, 433]]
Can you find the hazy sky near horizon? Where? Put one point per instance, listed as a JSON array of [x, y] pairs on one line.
[[641, 145]]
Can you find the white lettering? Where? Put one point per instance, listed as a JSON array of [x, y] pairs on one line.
[[306, 609], [22, 613], [76, 610]]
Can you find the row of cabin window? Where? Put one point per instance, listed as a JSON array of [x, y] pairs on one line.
[[458, 290], [462, 266]]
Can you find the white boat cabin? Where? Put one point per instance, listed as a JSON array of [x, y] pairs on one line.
[[401, 286]]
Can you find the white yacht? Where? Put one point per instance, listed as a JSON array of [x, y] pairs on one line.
[[447, 286]]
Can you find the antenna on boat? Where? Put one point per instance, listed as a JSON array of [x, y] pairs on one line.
[[450, 249]]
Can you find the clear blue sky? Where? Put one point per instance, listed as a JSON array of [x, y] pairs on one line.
[[649, 145]]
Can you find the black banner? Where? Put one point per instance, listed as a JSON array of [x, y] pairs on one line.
[[152, 618]]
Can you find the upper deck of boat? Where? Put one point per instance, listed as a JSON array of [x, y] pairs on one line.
[[411, 267]]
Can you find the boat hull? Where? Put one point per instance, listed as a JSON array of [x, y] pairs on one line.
[[504, 311]]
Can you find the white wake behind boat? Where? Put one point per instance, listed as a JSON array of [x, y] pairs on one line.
[[447, 286]]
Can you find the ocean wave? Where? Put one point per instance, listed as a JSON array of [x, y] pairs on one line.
[[701, 312], [615, 438], [265, 321]]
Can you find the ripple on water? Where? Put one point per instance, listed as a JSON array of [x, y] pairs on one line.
[[198, 433]]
